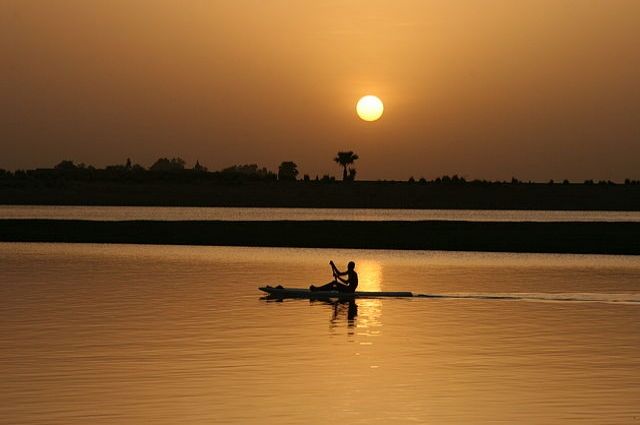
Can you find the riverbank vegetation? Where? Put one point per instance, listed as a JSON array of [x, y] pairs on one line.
[[170, 182], [176, 170]]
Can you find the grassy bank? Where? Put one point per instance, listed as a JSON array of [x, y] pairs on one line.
[[503, 196], [586, 238]]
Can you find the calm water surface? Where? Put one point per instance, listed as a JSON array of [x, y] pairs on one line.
[[239, 214], [108, 334]]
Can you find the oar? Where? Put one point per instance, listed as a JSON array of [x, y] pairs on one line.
[[333, 270]]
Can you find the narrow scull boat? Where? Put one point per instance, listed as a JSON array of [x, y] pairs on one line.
[[306, 293]]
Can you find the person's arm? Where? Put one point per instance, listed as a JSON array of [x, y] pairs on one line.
[[337, 272], [342, 281]]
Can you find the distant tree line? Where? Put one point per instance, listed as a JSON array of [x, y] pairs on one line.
[[176, 170], [457, 180], [164, 169]]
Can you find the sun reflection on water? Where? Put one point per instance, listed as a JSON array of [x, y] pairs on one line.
[[369, 321], [369, 275], [369, 316]]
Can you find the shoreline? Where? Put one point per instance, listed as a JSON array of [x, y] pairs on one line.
[[361, 194], [534, 237]]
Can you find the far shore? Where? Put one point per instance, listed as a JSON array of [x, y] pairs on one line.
[[533, 237], [299, 194]]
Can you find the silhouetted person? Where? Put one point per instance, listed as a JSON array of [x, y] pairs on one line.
[[339, 283]]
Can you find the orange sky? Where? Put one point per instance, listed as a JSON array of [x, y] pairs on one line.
[[536, 89]]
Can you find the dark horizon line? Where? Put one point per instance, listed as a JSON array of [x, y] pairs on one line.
[[67, 167]]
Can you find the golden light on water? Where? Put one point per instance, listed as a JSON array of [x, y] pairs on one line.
[[369, 275], [370, 108]]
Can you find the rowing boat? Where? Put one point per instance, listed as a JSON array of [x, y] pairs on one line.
[[306, 293]]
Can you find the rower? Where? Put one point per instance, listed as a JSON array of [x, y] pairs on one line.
[[339, 283]]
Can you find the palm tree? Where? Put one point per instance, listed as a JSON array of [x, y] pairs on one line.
[[345, 159]]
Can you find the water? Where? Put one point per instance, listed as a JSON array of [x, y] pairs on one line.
[[130, 334], [239, 214]]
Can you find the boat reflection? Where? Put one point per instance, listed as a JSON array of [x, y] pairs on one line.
[[363, 314], [343, 310], [347, 308]]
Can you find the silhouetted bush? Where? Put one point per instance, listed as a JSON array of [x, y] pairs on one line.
[[352, 175], [247, 172], [166, 164], [65, 165], [288, 171], [455, 179]]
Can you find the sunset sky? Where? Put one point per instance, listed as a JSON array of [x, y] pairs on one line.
[[536, 89]]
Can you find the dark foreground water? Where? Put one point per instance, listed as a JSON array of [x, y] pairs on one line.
[[108, 334]]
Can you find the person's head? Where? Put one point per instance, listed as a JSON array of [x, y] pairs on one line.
[[351, 265]]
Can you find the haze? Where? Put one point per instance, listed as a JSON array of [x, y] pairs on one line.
[[536, 89]]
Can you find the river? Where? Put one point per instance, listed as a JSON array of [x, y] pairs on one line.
[[305, 214], [108, 334]]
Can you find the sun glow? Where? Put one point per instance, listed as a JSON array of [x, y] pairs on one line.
[[370, 108], [369, 275]]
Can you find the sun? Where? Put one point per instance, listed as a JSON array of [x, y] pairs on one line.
[[369, 108]]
